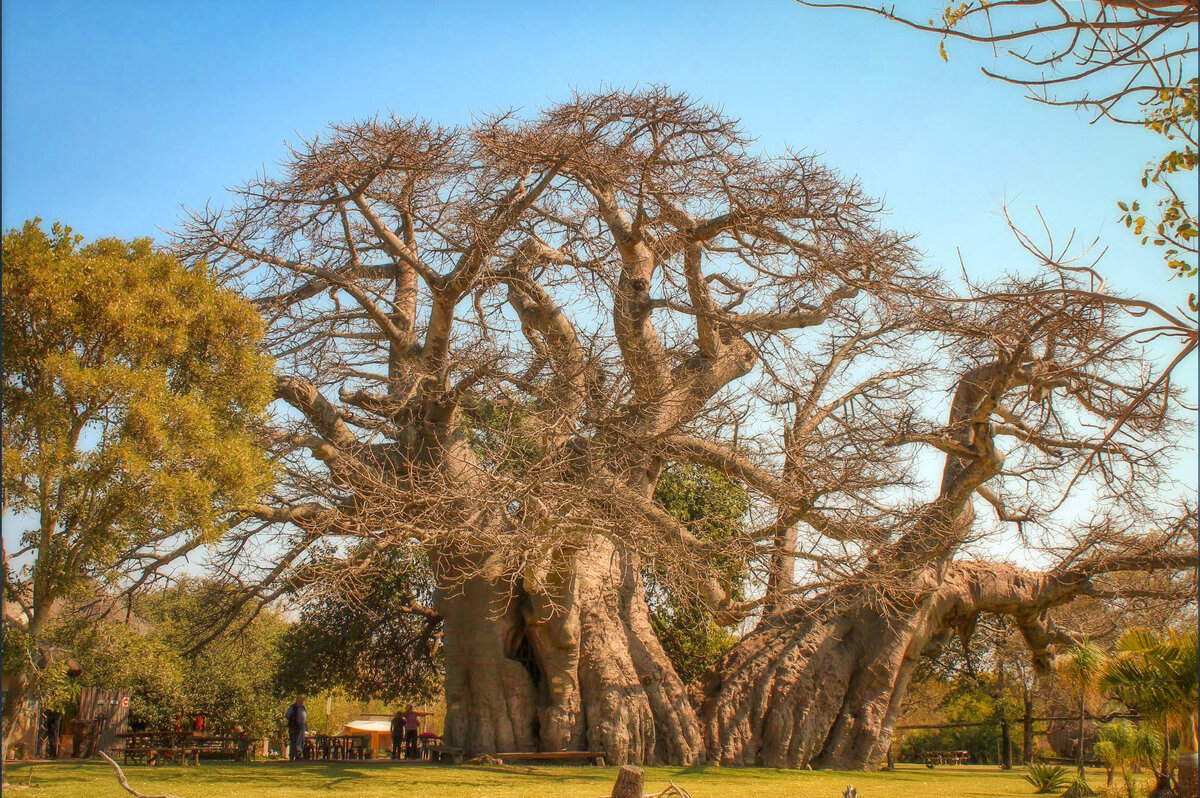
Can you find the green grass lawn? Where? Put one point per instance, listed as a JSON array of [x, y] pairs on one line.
[[97, 780]]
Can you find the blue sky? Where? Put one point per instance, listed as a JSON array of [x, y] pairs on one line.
[[116, 114]]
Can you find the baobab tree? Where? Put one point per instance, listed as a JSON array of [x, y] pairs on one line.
[[492, 339], [1045, 397]]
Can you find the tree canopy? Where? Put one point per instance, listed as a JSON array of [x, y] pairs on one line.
[[132, 389], [496, 342]]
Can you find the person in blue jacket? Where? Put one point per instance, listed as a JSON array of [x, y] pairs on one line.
[[297, 720]]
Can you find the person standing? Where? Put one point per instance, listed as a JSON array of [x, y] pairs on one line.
[[52, 728], [398, 734], [411, 723], [297, 720]]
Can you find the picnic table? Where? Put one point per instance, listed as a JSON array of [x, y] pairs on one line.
[[946, 758], [238, 747], [156, 747], [182, 747], [428, 740], [338, 746]]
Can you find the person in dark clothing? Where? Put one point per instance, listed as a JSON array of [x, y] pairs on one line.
[[52, 726], [297, 720], [411, 723], [397, 734]]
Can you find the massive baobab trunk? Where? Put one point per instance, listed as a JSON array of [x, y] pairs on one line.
[[812, 690], [569, 666], [823, 685]]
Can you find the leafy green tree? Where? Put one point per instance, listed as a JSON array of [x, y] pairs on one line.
[[231, 676], [131, 384], [1156, 674], [979, 700], [1124, 745], [1080, 666], [113, 655], [368, 636], [713, 506]]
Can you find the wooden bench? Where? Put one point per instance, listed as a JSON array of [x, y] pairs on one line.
[[594, 757], [443, 753]]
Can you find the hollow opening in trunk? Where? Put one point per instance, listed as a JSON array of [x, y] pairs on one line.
[[521, 650]]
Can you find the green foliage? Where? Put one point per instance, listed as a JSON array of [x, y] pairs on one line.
[[1078, 788], [977, 700], [231, 679], [692, 641], [129, 384], [114, 656], [710, 503], [1046, 778], [1123, 746], [51, 682], [1081, 665], [500, 434], [1156, 674], [1173, 116], [713, 506], [364, 638]]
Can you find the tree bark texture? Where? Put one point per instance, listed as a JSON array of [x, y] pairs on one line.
[[566, 667], [825, 687], [630, 782]]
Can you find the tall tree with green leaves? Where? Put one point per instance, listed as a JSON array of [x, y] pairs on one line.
[[1124, 745], [1081, 665], [132, 386], [1156, 673], [713, 505], [366, 634]]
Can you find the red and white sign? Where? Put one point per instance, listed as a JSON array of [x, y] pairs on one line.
[[125, 701]]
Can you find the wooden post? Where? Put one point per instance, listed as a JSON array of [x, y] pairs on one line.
[[630, 781], [1027, 732], [1005, 746]]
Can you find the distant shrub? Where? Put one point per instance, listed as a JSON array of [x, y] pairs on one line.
[[1047, 778]]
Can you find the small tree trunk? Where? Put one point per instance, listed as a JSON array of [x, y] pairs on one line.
[[1027, 731], [22, 677], [1082, 718], [14, 702], [630, 782], [1005, 746]]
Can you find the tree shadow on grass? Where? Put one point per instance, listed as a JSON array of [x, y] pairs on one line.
[[542, 773]]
